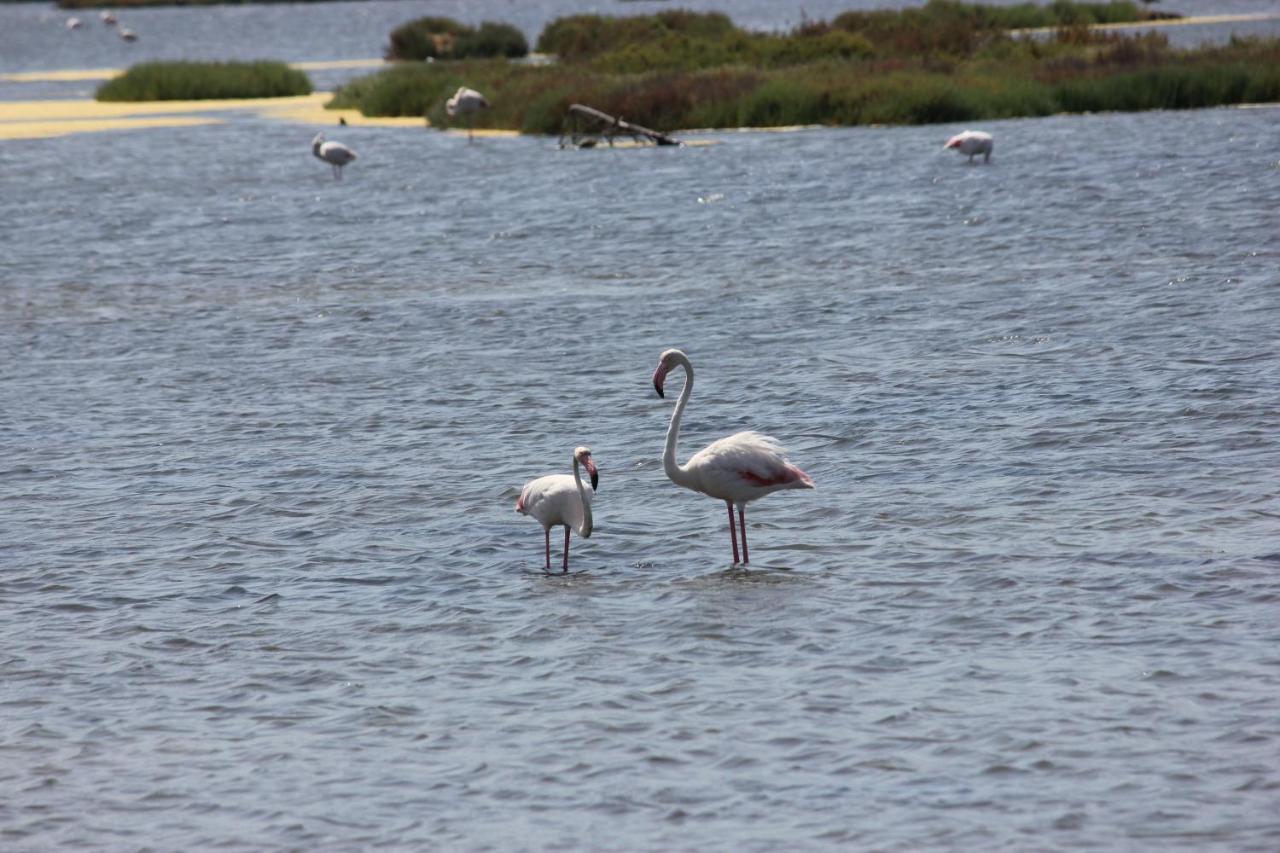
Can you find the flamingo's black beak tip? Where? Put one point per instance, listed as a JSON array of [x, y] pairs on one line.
[[658, 388], [595, 481]]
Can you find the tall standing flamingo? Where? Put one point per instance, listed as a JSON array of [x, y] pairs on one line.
[[466, 102], [972, 142], [561, 499], [737, 469], [334, 153]]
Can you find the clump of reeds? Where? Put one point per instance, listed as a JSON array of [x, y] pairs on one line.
[[198, 81]]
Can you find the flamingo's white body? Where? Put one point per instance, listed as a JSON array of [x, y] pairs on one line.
[[558, 499], [972, 142], [334, 153], [107, 17], [737, 470], [128, 34], [466, 102], [74, 23]]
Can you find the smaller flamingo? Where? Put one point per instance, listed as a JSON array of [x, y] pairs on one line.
[[128, 34], [334, 153], [972, 142], [466, 102], [561, 499], [74, 23], [107, 17]]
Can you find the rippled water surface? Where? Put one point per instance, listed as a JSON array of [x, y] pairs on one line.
[[262, 433]]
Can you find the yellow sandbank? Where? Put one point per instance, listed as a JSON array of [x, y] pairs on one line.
[[40, 119], [73, 75]]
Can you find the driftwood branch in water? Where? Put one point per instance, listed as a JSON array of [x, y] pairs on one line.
[[585, 126]]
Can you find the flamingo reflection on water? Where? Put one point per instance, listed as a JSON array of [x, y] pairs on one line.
[[737, 469]]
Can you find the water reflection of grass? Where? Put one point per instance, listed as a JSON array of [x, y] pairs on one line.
[[945, 62]]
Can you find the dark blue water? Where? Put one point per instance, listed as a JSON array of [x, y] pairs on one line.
[[262, 432]]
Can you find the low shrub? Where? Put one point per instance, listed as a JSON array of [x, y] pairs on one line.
[[198, 81], [580, 37], [445, 38]]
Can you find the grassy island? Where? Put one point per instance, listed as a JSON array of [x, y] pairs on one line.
[[202, 81], [945, 62]]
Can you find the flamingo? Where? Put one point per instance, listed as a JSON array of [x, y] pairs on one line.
[[107, 17], [334, 153], [972, 142], [128, 34], [737, 469], [74, 23], [561, 499], [466, 102]]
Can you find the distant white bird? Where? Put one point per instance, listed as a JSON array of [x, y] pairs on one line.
[[972, 142], [466, 102], [128, 34], [334, 153], [108, 17], [737, 469], [74, 23], [561, 499]]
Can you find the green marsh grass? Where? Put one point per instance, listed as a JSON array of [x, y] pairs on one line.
[[667, 72], [201, 81]]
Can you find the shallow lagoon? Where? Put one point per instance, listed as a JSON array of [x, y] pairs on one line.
[[266, 589]]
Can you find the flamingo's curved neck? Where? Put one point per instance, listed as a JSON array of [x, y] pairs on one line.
[[678, 474], [585, 530]]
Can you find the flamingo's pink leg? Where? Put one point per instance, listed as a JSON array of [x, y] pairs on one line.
[[733, 534], [565, 568], [742, 523], [546, 532]]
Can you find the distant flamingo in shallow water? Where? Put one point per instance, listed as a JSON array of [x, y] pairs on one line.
[[560, 499], [737, 469], [972, 142], [466, 102], [334, 153]]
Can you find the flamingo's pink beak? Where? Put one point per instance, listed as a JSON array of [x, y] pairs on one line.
[[590, 465], [660, 377]]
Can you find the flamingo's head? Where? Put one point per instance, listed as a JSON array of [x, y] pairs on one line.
[[583, 456], [666, 361], [953, 142]]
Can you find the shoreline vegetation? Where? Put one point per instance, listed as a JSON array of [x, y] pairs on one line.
[[944, 62], [205, 81], [676, 70]]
